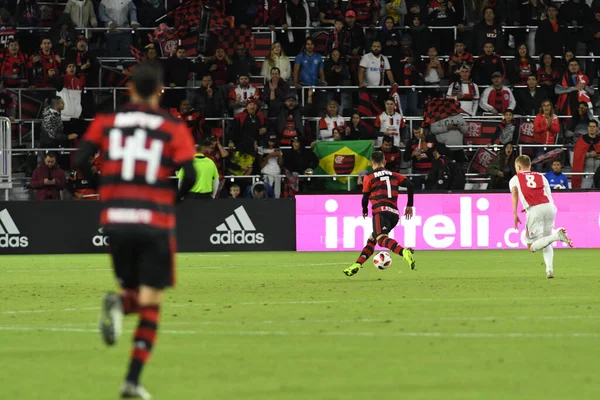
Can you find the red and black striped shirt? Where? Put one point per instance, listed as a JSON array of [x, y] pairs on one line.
[[141, 149], [382, 187]]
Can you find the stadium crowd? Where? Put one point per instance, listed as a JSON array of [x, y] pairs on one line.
[[525, 70]]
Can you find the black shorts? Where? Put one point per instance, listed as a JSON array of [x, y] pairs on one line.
[[384, 222], [142, 257]]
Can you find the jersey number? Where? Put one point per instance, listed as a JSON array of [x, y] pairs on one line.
[[135, 150], [387, 183], [530, 181]]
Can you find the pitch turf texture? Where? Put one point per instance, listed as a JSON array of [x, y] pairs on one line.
[[465, 325]]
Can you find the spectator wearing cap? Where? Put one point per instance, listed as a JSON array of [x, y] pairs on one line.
[[276, 59], [260, 190], [275, 89], [419, 151], [243, 63], [240, 94], [486, 64], [297, 15], [367, 11], [357, 34], [289, 121], [270, 159], [390, 123], [465, 91], [308, 67], [82, 13], [551, 35], [44, 64], [330, 121], [207, 175], [48, 179], [87, 64], [118, 14], [208, 98], [250, 124], [15, 66], [497, 98], [529, 99]]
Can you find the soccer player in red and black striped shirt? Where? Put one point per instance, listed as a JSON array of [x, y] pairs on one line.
[[380, 187], [141, 147]]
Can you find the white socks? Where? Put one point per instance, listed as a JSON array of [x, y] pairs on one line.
[[544, 242], [548, 253]]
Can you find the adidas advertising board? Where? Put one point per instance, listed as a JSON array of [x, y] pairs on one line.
[[72, 227], [10, 236]]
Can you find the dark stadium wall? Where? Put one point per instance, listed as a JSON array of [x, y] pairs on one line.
[[69, 227]]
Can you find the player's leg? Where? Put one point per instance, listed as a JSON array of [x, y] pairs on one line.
[[543, 221], [389, 221], [366, 252], [114, 306], [156, 272]]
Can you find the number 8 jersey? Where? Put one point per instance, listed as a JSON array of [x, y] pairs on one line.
[[533, 187], [140, 149]]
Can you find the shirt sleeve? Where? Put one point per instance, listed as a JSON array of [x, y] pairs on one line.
[[95, 132], [366, 184], [386, 64], [364, 62], [183, 145]]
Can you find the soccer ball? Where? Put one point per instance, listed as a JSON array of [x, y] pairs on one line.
[[382, 260]]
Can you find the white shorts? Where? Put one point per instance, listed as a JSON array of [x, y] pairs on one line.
[[540, 221]]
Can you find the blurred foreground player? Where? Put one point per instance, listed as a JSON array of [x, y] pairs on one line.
[[381, 188], [533, 189], [141, 147]]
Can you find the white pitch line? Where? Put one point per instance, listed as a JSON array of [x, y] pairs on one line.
[[457, 335], [83, 269], [304, 302]]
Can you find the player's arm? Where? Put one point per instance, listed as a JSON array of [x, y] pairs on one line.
[[366, 194], [410, 191], [515, 203]]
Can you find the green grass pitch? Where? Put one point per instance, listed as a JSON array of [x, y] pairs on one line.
[[290, 326]]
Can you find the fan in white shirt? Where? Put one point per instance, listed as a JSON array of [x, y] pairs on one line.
[[239, 95], [374, 68], [389, 123], [330, 121]]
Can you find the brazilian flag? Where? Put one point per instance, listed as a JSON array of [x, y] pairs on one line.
[[342, 158]]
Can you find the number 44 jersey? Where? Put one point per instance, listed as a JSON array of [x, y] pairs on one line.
[[140, 149]]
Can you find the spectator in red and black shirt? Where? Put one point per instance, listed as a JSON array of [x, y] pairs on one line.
[[458, 59], [219, 66], [330, 11], [7, 103], [419, 150], [249, 124], [338, 39], [44, 64], [367, 11], [391, 153], [193, 118], [548, 75], [15, 69], [83, 186], [521, 66]]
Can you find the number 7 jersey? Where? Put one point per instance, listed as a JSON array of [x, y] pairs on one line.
[[533, 187], [382, 186], [140, 150]]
